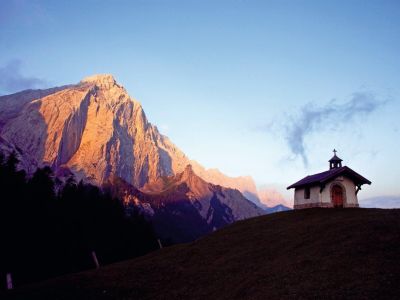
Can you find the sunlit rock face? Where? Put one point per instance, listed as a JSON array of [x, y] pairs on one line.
[[95, 129]]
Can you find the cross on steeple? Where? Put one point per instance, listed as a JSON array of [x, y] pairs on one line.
[[335, 162]]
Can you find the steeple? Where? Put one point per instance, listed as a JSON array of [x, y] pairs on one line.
[[335, 161]]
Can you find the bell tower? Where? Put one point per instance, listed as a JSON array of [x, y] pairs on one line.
[[335, 161]]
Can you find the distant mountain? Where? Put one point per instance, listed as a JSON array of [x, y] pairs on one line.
[[245, 184], [381, 202], [270, 197], [97, 132], [276, 208]]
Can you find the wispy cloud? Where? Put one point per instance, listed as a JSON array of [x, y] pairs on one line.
[[12, 80], [314, 118]]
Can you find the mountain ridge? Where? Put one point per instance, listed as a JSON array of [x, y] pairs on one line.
[[197, 207]]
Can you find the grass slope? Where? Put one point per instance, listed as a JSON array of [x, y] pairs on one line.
[[314, 253]]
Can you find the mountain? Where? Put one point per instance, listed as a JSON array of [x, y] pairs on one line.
[[97, 132], [190, 207], [276, 208], [95, 129], [184, 207], [270, 197], [245, 184], [314, 254]]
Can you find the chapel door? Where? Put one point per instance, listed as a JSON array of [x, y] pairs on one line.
[[337, 196]]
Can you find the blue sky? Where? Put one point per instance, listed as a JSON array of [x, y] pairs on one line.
[[260, 88]]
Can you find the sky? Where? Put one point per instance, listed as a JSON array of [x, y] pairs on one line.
[[260, 88]]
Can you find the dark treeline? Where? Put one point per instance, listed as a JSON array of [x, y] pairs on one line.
[[48, 228]]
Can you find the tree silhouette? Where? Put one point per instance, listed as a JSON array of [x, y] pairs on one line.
[[49, 226]]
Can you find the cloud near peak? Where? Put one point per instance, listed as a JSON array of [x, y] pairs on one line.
[[12, 80]]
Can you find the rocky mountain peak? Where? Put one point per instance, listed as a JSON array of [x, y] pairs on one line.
[[101, 80], [188, 171], [189, 177], [107, 90]]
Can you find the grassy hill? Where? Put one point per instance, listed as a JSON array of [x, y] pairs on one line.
[[314, 253]]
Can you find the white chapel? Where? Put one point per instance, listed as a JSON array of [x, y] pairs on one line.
[[337, 187]]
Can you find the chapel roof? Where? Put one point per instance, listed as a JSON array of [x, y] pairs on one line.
[[323, 177], [335, 158]]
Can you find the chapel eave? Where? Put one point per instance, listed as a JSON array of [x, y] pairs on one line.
[[322, 178]]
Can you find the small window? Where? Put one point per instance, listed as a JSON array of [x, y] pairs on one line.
[[307, 193]]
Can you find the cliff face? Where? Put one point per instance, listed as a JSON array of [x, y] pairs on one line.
[[95, 129]]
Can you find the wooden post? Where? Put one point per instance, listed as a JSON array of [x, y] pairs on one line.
[[159, 243], [9, 281], [96, 262]]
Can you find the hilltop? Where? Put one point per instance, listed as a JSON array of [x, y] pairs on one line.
[[314, 253]]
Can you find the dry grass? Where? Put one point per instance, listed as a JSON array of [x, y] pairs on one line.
[[314, 253]]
